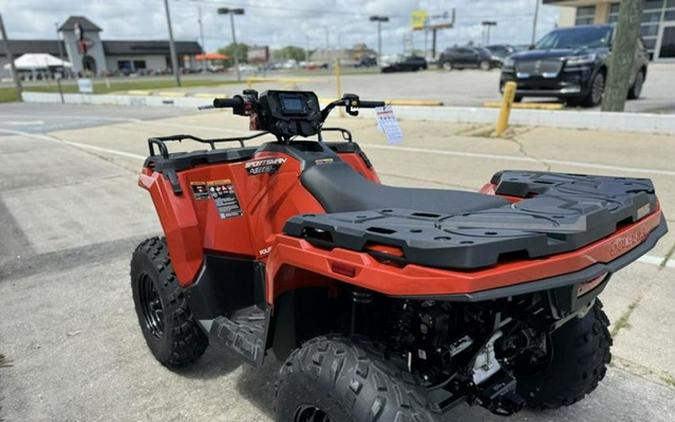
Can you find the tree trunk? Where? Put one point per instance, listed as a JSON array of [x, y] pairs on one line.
[[621, 62]]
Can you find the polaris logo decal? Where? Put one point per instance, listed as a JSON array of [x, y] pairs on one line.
[[628, 242], [270, 165]]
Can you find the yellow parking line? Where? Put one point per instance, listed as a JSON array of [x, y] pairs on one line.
[[528, 106], [170, 93]]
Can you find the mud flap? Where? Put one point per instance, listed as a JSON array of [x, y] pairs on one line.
[[244, 332]]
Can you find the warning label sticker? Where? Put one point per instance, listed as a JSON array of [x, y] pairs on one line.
[[199, 190], [222, 193]]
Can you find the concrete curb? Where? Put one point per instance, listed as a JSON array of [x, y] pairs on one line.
[[593, 120]]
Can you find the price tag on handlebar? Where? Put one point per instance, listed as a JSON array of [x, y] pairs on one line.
[[387, 123]]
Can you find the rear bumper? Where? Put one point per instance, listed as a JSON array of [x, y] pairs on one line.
[[569, 279]]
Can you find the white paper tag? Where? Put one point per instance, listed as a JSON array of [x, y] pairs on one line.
[[387, 123]]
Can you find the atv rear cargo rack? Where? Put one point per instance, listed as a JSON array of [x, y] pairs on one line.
[[558, 213]]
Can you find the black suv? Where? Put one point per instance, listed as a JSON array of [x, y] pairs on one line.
[[570, 64], [468, 57]]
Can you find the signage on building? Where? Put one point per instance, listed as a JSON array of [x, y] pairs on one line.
[[83, 44], [421, 19]]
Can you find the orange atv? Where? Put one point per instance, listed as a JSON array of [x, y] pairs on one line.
[[387, 303]]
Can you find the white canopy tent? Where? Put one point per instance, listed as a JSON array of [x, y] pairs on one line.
[[38, 62]]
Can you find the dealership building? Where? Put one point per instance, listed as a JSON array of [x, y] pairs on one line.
[[82, 46], [657, 27]]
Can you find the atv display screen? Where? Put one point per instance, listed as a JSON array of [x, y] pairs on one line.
[[292, 104]]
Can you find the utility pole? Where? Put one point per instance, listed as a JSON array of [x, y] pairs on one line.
[[625, 43], [534, 21], [172, 44], [201, 36], [232, 12], [488, 25], [379, 19], [8, 54]]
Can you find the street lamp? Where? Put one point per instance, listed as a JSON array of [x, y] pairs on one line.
[[232, 12], [488, 24], [379, 20]]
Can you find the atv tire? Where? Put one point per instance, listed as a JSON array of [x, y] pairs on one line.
[[168, 326], [581, 353], [340, 379]]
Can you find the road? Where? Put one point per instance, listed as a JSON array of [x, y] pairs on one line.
[[71, 213]]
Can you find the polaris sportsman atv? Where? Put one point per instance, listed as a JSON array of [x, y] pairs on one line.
[[387, 303]]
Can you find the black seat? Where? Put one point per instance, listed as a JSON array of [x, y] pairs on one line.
[[339, 188]]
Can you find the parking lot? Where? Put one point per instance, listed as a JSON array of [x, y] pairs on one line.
[[71, 214], [459, 88]]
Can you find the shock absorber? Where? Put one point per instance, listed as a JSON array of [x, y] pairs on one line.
[[360, 299]]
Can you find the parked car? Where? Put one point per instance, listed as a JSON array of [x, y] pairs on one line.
[[468, 57], [501, 50], [366, 62], [405, 64], [570, 64]]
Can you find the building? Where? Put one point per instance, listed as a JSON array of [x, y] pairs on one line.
[[657, 28], [81, 45]]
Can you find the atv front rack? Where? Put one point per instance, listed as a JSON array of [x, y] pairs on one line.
[[160, 141], [554, 213]]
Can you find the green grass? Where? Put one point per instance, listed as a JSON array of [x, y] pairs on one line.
[[8, 94], [622, 322]]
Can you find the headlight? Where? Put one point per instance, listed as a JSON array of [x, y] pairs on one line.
[[508, 62], [581, 60]]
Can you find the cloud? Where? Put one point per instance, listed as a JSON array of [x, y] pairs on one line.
[[270, 22]]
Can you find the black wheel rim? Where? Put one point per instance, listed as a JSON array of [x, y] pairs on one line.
[[151, 305], [309, 413], [598, 88]]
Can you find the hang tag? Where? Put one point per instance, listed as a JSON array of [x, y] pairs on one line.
[[387, 123]]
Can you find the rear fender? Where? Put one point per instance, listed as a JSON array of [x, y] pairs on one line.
[[180, 224]]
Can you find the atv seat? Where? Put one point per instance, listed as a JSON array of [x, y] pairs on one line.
[[339, 188]]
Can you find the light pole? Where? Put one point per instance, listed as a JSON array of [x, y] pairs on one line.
[[379, 19], [172, 45], [232, 12], [10, 56], [488, 25], [201, 36]]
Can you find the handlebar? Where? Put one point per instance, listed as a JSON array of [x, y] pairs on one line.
[[371, 104], [228, 102]]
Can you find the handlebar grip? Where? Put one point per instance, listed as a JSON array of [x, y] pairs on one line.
[[227, 102], [371, 104]]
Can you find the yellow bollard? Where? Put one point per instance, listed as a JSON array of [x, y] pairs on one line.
[[505, 111], [338, 82], [249, 83]]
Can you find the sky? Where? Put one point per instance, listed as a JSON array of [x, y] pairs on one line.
[[280, 23]]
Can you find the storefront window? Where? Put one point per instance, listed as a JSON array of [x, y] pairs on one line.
[[652, 4], [585, 15]]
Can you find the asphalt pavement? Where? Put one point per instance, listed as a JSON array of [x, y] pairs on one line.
[[71, 214], [460, 88]]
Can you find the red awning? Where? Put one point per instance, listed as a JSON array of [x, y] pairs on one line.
[[211, 56]]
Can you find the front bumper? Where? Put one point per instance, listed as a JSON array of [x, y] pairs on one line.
[[574, 82]]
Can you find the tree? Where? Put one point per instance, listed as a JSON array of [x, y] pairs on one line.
[[289, 53], [621, 62], [230, 50]]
